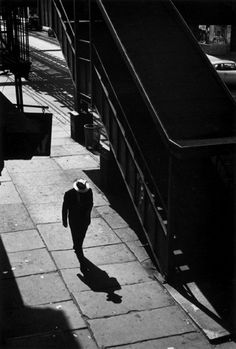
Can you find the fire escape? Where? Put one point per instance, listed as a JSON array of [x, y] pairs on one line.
[[14, 46], [22, 135]]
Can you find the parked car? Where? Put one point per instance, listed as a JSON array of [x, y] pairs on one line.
[[225, 68]]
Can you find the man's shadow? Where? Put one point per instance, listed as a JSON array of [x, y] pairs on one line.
[[99, 281]]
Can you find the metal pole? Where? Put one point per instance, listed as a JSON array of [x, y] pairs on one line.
[[90, 49], [19, 94], [76, 58]]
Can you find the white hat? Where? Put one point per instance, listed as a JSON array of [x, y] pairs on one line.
[[81, 185]]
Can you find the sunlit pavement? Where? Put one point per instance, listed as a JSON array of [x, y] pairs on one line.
[[47, 301]]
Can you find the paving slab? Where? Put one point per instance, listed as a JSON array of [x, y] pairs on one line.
[[138, 250], [5, 176], [109, 254], [151, 269], [40, 178], [43, 45], [138, 326], [56, 126], [51, 186], [65, 259], [31, 262], [226, 345], [9, 194], [125, 273], [126, 234], [55, 236], [99, 199], [62, 141], [98, 255], [41, 194], [22, 240], [72, 280], [43, 319], [112, 217], [185, 341], [41, 289], [136, 297], [99, 282], [78, 339], [46, 212], [84, 340], [67, 149], [74, 173], [99, 233], [34, 165], [58, 133], [14, 217], [77, 161]]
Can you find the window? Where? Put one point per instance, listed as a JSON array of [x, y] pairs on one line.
[[229, 66]]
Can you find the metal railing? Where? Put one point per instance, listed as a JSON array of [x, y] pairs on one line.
[[65, 34], [148, 203], [75, 50], [14, 40]]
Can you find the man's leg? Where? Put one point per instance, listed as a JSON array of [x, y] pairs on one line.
[[74, 235], [78, 236]]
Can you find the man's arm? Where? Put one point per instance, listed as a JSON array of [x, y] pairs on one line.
[[90, 204], [64, 212]]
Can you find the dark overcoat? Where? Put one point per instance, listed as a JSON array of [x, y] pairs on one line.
[[77, 207]]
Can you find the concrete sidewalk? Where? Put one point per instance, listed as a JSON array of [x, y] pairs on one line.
[[47, 302]]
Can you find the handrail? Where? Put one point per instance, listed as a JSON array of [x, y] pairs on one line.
[[64, 27], [117, 39], [138, 152], [207, 142], [142, 176], [66, 17], [143, 198], [66, 36]]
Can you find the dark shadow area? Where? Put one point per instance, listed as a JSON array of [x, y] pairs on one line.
[[44, 36], [215, 299], [99, 281], [233, 91], [204, 265], [51, 75], [24, 326], [120, 201]]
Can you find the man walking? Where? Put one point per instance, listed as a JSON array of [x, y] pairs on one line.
[[77, 206]]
